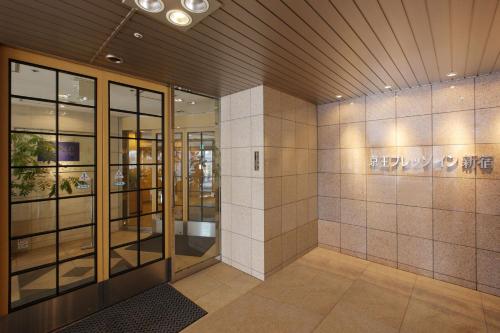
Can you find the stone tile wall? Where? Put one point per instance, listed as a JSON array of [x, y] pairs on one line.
[[436, 220]]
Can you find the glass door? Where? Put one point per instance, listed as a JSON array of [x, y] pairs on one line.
[[52, 182], [196, 180], [136, 212]]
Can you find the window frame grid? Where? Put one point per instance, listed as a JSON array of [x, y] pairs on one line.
[[57, 197], [138, 190]]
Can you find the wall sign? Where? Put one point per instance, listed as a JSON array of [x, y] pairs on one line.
[[469, 162]]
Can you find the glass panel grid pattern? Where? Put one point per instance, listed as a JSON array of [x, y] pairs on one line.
[[136, 209], [52, 159]]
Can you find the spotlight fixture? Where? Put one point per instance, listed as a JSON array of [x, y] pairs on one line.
[[451, 74], [179, 17], [152, 6], [114, 59], [388, 87], [138, 35], [178, 99], [195, 6], [338, 96]]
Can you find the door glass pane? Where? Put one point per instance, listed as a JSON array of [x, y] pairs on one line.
[[151, 249], [123, 151], [50, 123], [32, 116], [33, 217], [76, 272], [32, 81], [196, 228], [32, 251], [22, 291], [76, 120], [123, 231], [151, 103], [76, 89], [123, 258], [123, 205], [122, 98], [122, 124], [123, 178], [151, 225]]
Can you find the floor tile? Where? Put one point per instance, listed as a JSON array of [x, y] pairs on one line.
[[491, 306]]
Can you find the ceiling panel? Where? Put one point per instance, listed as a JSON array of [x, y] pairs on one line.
[[314, 49]]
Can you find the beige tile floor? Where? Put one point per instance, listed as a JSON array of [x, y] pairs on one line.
[[325, 291]]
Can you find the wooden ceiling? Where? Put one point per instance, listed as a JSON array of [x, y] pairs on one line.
[[315, 49]]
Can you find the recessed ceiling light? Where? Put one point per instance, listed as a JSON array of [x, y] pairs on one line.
[[114, 59], [388, 87], [178, 99], [192, 102], [178, 17], [451, 74], [338, 96], [63, 106], [152, 6], [195, 6], [138, 35], [452, 87]]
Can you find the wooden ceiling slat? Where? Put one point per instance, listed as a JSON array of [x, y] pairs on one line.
[[363, 30], [439, 18], [236, 40], [321, 27], [419, 22], [249, 25], [375, 17], [300, 34], [213, 56], [394, 12], [313, 49], [482, 20], [492, 51]]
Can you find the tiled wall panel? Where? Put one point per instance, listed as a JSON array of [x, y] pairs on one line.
[[440, 221]]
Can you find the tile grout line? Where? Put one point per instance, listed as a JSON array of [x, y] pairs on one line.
[[408, 304]]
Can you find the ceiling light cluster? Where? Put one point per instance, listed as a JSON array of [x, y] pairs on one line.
[[451, 74], [175, 16]]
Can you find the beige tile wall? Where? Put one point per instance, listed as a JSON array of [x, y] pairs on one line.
[[269, 216], [439, 222]]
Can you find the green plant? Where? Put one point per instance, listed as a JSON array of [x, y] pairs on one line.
[[29, 153]]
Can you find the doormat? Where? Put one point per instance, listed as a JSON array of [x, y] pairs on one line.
[[160, 309], [194, 246]]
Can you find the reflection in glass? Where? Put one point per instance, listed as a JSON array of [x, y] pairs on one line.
[[33, 217], [76, 272], [32, 116], [76, 211], [32, 251], [123, 231], [22, 291], [148, 176], [76, 89], [147, 151], [75, 242], [32, 81]]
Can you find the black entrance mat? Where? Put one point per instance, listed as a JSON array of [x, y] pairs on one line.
[[194, 246], [161, 309]]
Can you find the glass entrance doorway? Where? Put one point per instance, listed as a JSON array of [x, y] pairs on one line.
[[195, 180]]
